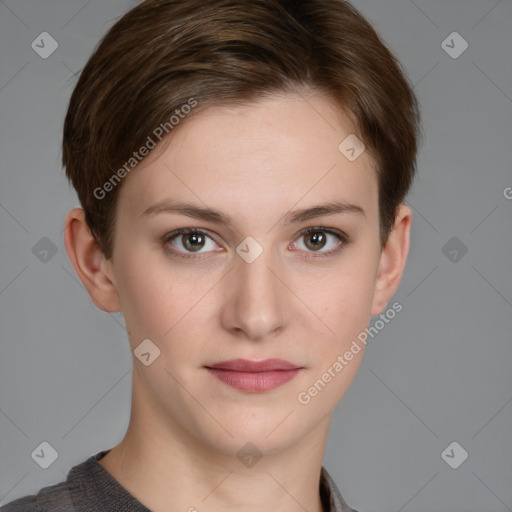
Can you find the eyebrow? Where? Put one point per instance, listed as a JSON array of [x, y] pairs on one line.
[[293, 217]]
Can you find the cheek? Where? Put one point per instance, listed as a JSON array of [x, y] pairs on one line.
[[146, 295], [345, 312], [158, 300], [342, 295]]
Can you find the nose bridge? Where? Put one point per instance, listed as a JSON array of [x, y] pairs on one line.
[[256, 303]]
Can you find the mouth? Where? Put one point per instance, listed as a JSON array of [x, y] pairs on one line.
[[254, 376]]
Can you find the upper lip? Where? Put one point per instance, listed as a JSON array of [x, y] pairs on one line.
[[245, 365]]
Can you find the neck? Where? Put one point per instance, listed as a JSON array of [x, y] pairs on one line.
[[167, 469]]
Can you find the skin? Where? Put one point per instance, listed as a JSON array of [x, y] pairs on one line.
[[255, 163]]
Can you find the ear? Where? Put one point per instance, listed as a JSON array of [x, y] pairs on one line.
[[392, 260], [89, 262]]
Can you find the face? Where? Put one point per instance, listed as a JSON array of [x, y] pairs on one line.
[[244, 279]]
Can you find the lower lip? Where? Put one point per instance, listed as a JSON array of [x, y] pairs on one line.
[[254, 382]]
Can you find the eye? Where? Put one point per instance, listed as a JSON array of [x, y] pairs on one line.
[[316, 239], [186, 242], [189, 241]]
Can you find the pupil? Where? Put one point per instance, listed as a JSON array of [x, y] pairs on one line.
[[317, 238], [193, 241]]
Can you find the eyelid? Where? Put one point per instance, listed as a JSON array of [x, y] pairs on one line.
[[344, 240], [168, 237]]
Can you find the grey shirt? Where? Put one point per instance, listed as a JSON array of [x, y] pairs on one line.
[[89, 487]]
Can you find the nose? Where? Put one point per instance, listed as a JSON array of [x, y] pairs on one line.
[[254, 304]]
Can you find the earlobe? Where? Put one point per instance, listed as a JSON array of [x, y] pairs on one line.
[[392, 260], [89, 262]]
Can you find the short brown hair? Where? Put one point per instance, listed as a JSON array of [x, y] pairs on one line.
[[162, 53]]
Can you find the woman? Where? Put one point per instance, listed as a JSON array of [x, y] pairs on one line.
[[241, 167]]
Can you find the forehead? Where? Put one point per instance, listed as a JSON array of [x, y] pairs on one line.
[[270, 154]]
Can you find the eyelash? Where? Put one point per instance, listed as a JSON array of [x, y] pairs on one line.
[[343, 238]]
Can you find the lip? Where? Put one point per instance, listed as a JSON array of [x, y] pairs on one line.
[[246, 365], [254, 376]]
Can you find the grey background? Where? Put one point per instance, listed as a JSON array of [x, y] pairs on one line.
[[439, 372]]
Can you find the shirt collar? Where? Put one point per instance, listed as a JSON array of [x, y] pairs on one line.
[[333, 501]]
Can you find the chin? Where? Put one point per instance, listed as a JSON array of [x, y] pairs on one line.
[[265, 435]]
